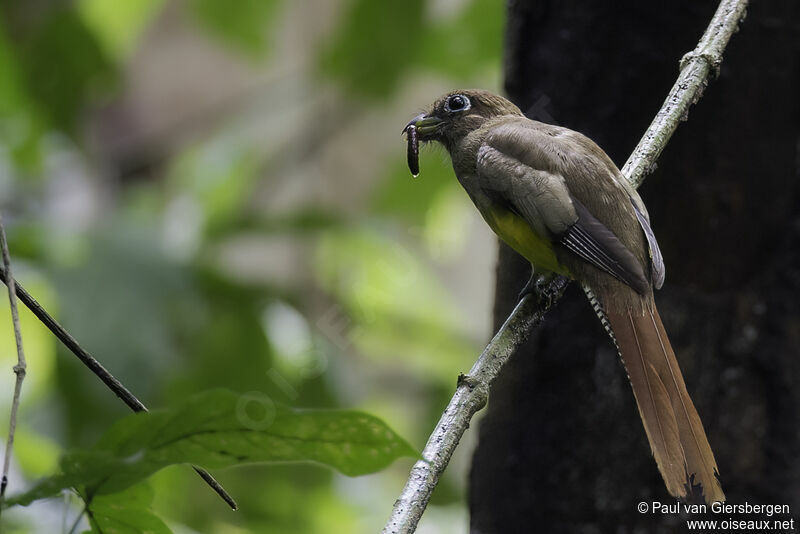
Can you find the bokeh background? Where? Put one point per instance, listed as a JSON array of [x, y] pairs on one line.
[[214, 194]]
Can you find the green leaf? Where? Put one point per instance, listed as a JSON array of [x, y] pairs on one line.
[[221, 428], [126, 512], [375, 45]]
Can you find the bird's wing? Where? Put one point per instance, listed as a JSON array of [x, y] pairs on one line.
[[658, 271], [513, 165], [656, 259], [594, 242]]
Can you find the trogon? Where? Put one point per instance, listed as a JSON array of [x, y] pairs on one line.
[[557, 199]]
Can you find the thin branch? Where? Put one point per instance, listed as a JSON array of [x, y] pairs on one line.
[[695, 68], [19, 369], [77, 522], [470, 396], [473, 391], [97, 368]]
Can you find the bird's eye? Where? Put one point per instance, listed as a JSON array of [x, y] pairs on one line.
[[457, 103]]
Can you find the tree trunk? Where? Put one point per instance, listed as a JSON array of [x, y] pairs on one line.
[[562, 448]]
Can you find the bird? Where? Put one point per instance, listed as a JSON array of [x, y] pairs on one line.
[[558, 199]]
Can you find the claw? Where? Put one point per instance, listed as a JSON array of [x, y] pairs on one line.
[[540, 287]]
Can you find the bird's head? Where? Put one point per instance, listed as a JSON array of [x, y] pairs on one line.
[[457, 113]]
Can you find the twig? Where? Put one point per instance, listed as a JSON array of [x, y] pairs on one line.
[[19, 369], [695, 68], [470, 396], [97, 368], [472, 391], [77, 522]]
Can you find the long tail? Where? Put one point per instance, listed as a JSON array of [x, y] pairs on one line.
[[676, 435]]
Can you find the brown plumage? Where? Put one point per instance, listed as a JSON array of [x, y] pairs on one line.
[[673, 427], [554, 196]]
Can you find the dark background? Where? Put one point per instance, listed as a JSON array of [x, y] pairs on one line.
[[562, 447]]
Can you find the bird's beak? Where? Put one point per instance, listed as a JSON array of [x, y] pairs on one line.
[[425, 124]]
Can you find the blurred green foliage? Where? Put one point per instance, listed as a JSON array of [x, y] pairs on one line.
[[117, 25], [378, 42], [347, 308], [62, 78], [243, 27], [53, 66], [21, 123], [452, 50], [381, 41], [389, 293]]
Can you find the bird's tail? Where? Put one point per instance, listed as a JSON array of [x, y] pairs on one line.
[[676, 435]]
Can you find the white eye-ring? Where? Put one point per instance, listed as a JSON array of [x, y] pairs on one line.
[[456, 103]]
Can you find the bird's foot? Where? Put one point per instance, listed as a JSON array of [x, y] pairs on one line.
[[543, 288], [536, 285]]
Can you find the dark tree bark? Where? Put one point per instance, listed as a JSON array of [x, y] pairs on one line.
[[562, 448]]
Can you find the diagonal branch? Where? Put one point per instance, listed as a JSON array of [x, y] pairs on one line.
[[19, 369], [97, 368], [695, 68], [473, 391]]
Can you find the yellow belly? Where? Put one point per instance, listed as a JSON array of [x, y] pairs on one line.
[[518, 234]]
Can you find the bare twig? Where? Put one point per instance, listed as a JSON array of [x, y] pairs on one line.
[[470, 396], [472, 391], [695, 68], [19, 369], [97, 368], [77, 521]]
